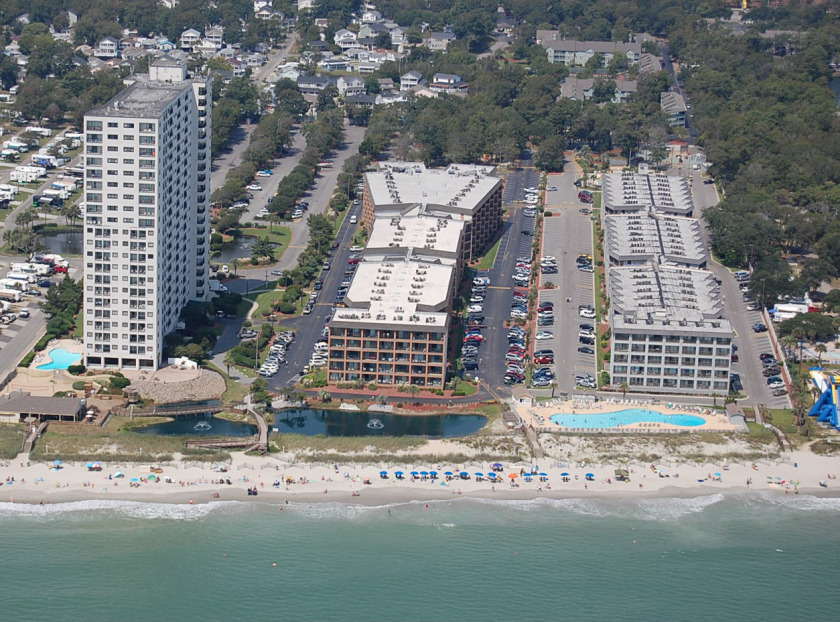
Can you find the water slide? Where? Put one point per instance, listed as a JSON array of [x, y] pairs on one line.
[[825, 409]]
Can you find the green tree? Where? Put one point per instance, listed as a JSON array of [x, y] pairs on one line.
[[624, 388]]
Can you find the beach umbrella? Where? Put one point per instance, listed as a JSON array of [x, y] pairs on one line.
[[119, 474], [432, 473], [56, 462], [464, 474], [479, 474], [492, 475], [496, 465], [415, 473], [152, 477], [134, 479], [543, 474], [448, 473], [513, 476], [398, 472], [564, 475], [89, 465], [383, 472], [424, 472], [717, 475]]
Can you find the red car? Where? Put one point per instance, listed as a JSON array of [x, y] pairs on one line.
[[60, 268], [544, 360]]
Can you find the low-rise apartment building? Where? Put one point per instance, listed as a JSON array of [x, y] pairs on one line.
[[394, 326], [628, 192], [465, 192], [668, 331], [645, 237], [573, 53]]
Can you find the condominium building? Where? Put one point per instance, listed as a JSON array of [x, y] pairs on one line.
[[628, 192], [465, 192], [569, 52], [668, 330], [146, 237], [394, 326], [643, 237]]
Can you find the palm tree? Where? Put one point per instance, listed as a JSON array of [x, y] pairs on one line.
[[414, 390], [624, 388], [229, 361], [820, 349], [553, 386]]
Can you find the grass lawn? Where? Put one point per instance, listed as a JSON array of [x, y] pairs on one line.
[[465, 387], [277, 234], [235, 392], [11, 440], [489, 258], [265, 302]]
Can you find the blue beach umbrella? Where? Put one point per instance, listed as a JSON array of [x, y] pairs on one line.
[[383, 472], [424, 472], [479, 474], [496, 465], [56, 462], [543, 474], [134, 479], [415, 473], [464, 475], [432, 472], [564, 475], [492, 475], [89, 465], [448, 473]]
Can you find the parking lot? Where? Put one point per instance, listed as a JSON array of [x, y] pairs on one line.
[[567, 234], [517, 238]]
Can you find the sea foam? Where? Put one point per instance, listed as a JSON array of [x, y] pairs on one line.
[[131, 509]]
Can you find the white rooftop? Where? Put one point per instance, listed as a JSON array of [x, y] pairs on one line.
[[671, 296], [440, 236], [649, 236], [458, 188], [628, 191], [410, 294]]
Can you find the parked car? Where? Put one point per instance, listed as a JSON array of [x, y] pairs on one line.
[[255, 187], [544, 334], [758, 327], [586, 350]]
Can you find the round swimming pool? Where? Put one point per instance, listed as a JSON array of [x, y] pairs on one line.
[[624, 417], [61, 359]]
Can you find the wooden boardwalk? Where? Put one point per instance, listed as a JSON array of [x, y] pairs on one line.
[[173, 411], [257, 442]]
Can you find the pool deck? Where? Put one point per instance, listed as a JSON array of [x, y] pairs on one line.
[[44, 358], [539, 417]]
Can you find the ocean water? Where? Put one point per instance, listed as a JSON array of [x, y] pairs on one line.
[[740, 557]]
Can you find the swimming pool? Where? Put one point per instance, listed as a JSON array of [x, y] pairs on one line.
[[624, 417], [61, 359]]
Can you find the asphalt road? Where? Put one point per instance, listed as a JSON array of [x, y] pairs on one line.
[[17, 338], [750, 344], [308, 327], [497, 303]]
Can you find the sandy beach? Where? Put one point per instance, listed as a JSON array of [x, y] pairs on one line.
[[277, 482]]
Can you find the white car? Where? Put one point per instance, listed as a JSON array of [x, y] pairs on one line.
[[475, 309], [552, 188], [255, 187], [532, 190], [548, 258], [356, 248], [587, 313], [263, 174], [544, 334]]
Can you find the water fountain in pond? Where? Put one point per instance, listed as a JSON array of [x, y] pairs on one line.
[[375, 424], [202, 426]]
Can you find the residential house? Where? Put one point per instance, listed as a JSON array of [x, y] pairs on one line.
[[288, 70], [372, 30], [107, 48], [216, 35], [439, 41], [255, 60], [411, 79], [237, 67], [505, 25], [363, 101], [348, 86], [318, 46], [398, 36], [336, 63], [18, 405], [206, 48], [370, 16], [345, 39], [673, 105], [386, 84], [261, 4], [576, 53], [312, 85], [305, 5], [390, 97], [169, 4], [266, 13], [447, 83], [322, 23], [366, 43], [165, 45], [227, 53], [189, 38]]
